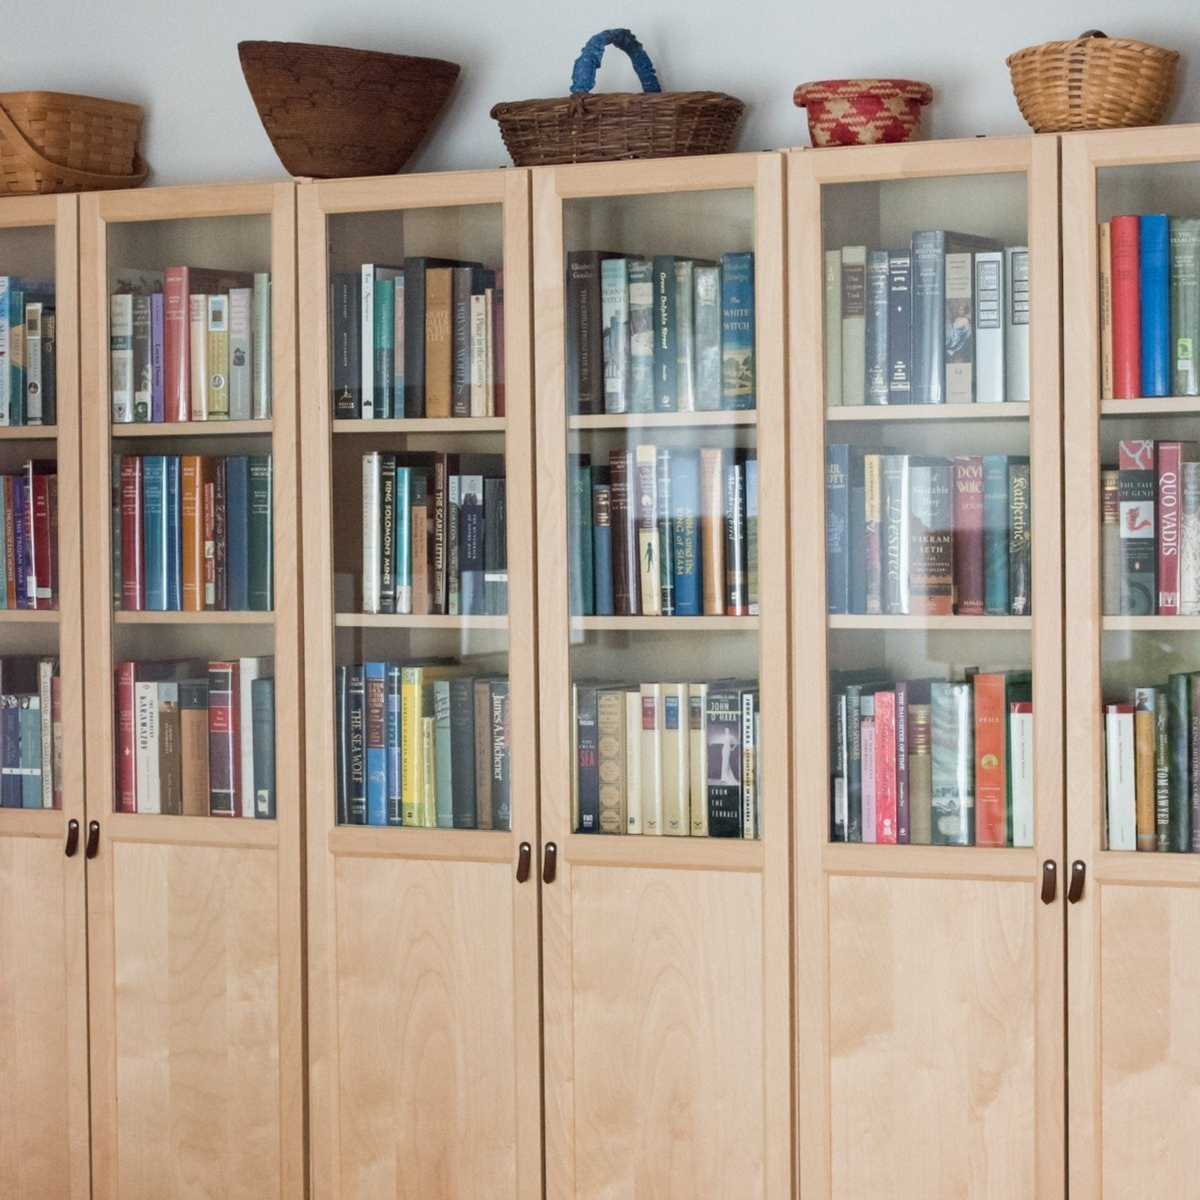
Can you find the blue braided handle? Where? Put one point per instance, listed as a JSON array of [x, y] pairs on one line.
[[583, 77]]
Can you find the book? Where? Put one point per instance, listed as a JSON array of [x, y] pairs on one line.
[[724, 762], [1179, 775], [989, 327], [737, 599], [1021, 743], [706, 319], [899, 326], [610, 759], [1104, 277], [464, 282], [1169, 460], [1155, 293], [996, 535], [439, 291], [665, 517], [676, 770], [968, 541], [501, 769], [580, 561], [120, 357], [685, 335], [614, 337], [953, 793], [483, 755], [241, 351], [750, 468], [652, 759], [1020, 546], [994, 694], [641, 335], [666, 353], [748, 701], [602, 552], [584, 332], [345, 334], [262, 701], [930, 553], [877, 355], [648, 536], [685, 532], [1110, 542], [217, 331], [1189, 541], [462, 751], [960, 327], [1016, 324], [495, 547], [260, 535], [698, 757], [737, 331], [261, 347], [896, 519], [633, 760], [712, 530], [1136, 495], [920, 773], [444, 781], [1120, 785], [623, 507], [854, 324], [1126, 308], [1184, 305], [884, 825], [224, 737], [832, 331], [1145, 702], [194, 747]]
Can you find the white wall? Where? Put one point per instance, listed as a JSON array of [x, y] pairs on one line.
[[179, 60]]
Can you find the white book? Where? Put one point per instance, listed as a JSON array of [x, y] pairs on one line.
[[260, 346], [241, 355], [574, 771], [685, 337], [867, 737], [676, 754], [120, 358], [633, 761], [33, 363], [249, 669], [145, 716], [371, 543], [489, 358], [833, 327], [698, 756], [479, 354], [989, 327], [749, 723], [1020, 735], [198, 354], [1016, 324], [651, 769], [1189, 541], [1120, 778]]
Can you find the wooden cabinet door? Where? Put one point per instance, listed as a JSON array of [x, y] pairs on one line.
[[423, 941], [667, 1037], [43, 947], [1134, 1053], [929, 983]]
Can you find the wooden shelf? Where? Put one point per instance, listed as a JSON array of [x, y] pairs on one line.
[[922, 862], [185, 429], [929, 412], [29, 616], [1162, 624], [28, 433], [914, 624], [681, 853], [121, 617], [1147, 406], [165, 828], [418, 425], [414, 621], [675, 420], [667, 624], [455, 845]]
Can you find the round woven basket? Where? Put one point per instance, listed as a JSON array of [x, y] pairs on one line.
[[617, 125], [862, 112], [1094, 82], [331, 111], [60, 142]]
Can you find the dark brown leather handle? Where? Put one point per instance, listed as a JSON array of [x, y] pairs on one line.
[[1078, 875], [549, 862], [524, 857], [1049, 881], [72, 838], [93, 842]]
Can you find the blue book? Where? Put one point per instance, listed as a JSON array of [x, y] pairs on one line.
[[30, 725], [685, 506], [237, 544], [402, 536], [11, 795], [375, 686], [737, 331], [751, 466], [20, 544], [385, 347], [17, 381], [1154, 259], [580, 564], [395, 774], [154, 530], [666, 352], [602, 578], [472, 595], [173, 507], [837, 527], [157, 393], [995, 535]]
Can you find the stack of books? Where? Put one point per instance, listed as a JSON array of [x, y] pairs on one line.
[[943, 320], [423, 745], [196, 739], [673, 759], [28, 336], [192, 533], [425, 339], [30, 733], [930, 761], [190, 344], [29, 537]]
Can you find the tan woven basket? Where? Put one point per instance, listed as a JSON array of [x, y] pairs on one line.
[[617, 125], [58, 142], [1094, 82]]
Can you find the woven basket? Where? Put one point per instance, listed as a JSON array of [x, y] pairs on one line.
[[1094, 82], [861, 112], [617, 125], [331, 111], [57, 142]]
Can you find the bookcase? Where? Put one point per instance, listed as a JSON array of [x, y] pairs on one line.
[[423, 913], [43, 947], [665, 985], [1132, 1051], [928, 985], [194, 921]]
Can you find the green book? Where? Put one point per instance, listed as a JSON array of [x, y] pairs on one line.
[[1162, 770], [30, 724], [385, 348], [1185, 304], [260, 535], [641, 335], [402, 524], [580, 568], [443, 767], [1179, 800]]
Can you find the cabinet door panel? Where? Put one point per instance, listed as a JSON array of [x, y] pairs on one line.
[[958, 1000], [427, 1105]]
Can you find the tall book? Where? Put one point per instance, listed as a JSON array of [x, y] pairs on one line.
[[1126, 308], [1104, 273], [1016, 324], [737, 331], [633, 760], [439, 290], [931, 568], [1020, 542], [967, 524], [666, 333], [737, 597], [217, 329], [641, 335], [724, 761], [1170, 458], [832, 314], [896, 519], [580, 562], [261, 346], [877, 359], [260, 537], [1189, 542], [193, 740], [854, 324], [837, 527], [602, 542], [585, 348], [262, 707], [1136, 492], [706, 318], [614, 337], [953, 755], [120, 357], [415, 270], [224, 734], [676, 770], [685, 335], [712, 530], [495, 547], [610, 759], [994, 694], [698, 757], [960, 327], [652, 759], [648, 538], [899, 326], [375, 741], [995, 535], [1155, 287], [1145, 705], [462, 752], [665, 514], [1120, 777], [685, 528], [989, 327], [1185, 306], [241, 354], [345, 340], [623, 506]]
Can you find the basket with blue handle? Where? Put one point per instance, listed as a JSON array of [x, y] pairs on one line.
[[584, 127]]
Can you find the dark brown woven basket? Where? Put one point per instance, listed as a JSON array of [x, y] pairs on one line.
[[59, 142], [617, 125], [331, 111]]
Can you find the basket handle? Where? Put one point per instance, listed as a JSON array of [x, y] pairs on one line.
[[1091, 33], [583, 77], [21, 145]]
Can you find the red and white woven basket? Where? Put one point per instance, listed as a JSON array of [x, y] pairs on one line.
[[860, 112]]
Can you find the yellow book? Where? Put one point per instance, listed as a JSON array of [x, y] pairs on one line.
[[633, 761], [218, 357], [439, 290], [198, 354], [651, 765], [610, 758], [676, 773], [1145, 781], [428, 764], [412, 748], [1106, 331]]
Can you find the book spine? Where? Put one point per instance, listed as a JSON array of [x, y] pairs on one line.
[[736, 594], [439, 286], [356, 746], [896, 520], [1162, 769], [995, 535], [394, 758], [920, 775], [1136, 492], [652, 765], [1169, 457], [1021, 742], [241, 351], [685, 336], [1185, 305], [176, 345], [462, 752], [991, 791], [877, 355], [261, 347], [1189, 541], [928, 316], [1016, 324], [614, 335], [832, 316], [903, 748], [170, 760], [724, 763], [584, 350], [899, 327], [260, 536], [737, 331], [869, 766], [1126, 308], [218, 357], [1121, 798], [665, 517], [460, 341], [873, 574], [641, 335], [666, 354], [748, 700], [580, 585], [375, 740], [648, 542], [1104, 272], [154, 531], [198, 376], [193, 738], [501, 766], [120, 342], [33, 363], [483, 755], [989, 327], [262, 702], [414, 337], [480, 350], [345, 332], [953, 795], [402, 523], [471, 547], [685, 511], [610, 730], [1145, 775], [224, 729], [366, 323], [444, 763], [968, 536], [1191, 837], [752, 579], [931, 569], [626, 594], [146, 739], [854, 324], [676, 771], [495, 549], [698, 757], [633, 760], [133, 589], [959, 353], [602, 548], [886, 815], [49, 367], [1020, 544], [1179, 832], [706, 318], [837, 527], [1153, 266], [712, 530]]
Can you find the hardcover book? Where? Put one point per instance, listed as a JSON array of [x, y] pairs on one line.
[[737, 331], [1136, 491]]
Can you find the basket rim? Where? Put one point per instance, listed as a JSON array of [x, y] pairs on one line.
[[68, 100], [322, 49], [1095, 46], [837, 89], [650, 99]]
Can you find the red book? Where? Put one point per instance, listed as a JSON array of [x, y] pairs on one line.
[[126, 749], [56, 738], [991, 768], [498, 342], [42, 585], [224, 740], [1171, 456], [52, 484], [885, 767], [1126, 309], [133, 546], [177, 404], [968, 535]]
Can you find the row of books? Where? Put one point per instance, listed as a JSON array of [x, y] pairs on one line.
[[665, 532], [932, 762], [192, 533], [1150, 530], [196, 739], [1149, 306], [659, 334], [435, 537], [425, 339], [29, 537], [927, 536], [422, 745], [190, 344], [945, 320], [30, 733], [28, 338], [1152, 761], [676, 759]]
